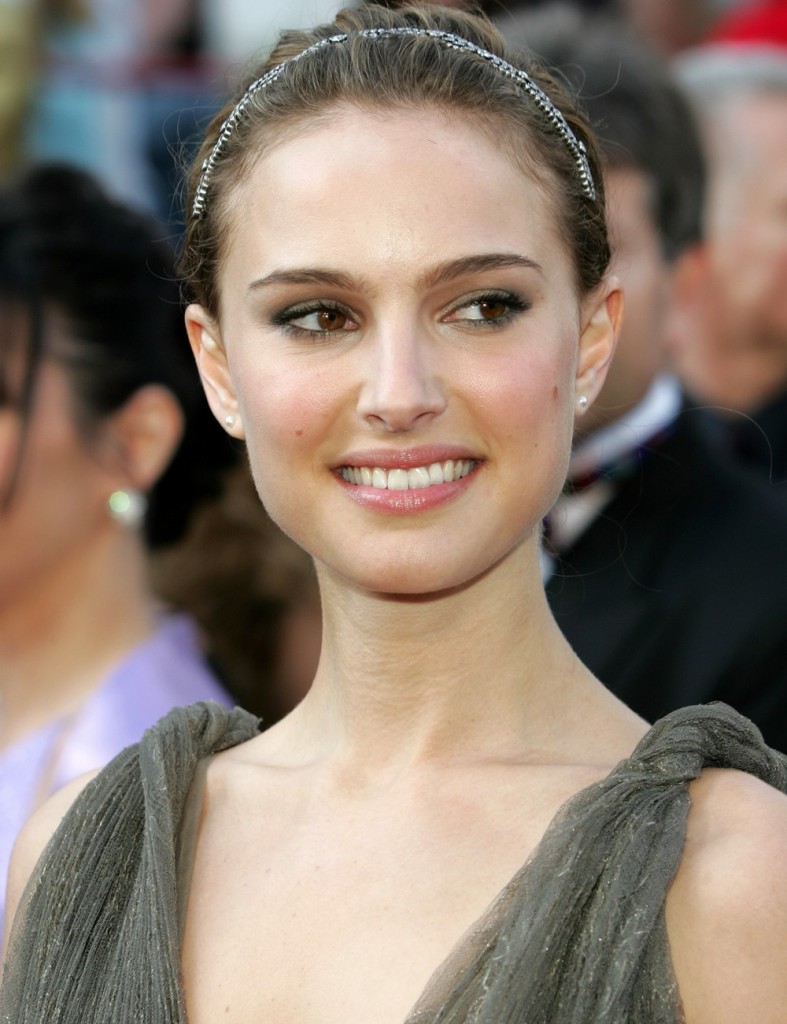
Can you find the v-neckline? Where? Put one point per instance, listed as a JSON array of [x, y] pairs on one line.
[[478, 934], [471, 939]]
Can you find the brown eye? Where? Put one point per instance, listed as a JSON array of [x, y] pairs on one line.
[[495, 309], [316, 319], [492, 309], [331, 320]]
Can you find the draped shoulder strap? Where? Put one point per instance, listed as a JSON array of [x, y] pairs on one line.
[[96, 939], [578, 935]]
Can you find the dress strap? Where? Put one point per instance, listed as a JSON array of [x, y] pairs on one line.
[[578, 936], [96, 937]]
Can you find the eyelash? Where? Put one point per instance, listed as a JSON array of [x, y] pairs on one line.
[[283, 320], [516, 305]]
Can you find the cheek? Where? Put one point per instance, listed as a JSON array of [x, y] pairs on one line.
[[282, 404], [531, 401], [287, 412]]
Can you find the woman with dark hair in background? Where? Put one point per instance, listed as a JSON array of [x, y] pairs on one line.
[[105, 450]]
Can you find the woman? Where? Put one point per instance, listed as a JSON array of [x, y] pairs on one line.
[[397, 256], [99, 417]]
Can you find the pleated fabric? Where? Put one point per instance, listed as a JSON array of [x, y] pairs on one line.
[[576, 937]]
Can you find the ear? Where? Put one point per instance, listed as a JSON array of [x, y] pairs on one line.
[[602, 315], [214, 372], [146, 432]]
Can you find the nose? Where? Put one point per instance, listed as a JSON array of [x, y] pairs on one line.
[[401, 389]]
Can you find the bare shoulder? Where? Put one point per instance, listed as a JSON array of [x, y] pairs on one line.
[[31, 841], [727, 908]]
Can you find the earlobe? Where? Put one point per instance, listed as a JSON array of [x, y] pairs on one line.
[[211, 360], [602, 322], [145, 433]]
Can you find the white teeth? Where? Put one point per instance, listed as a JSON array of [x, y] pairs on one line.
[[397, 480], [408, 479], [418, 477]]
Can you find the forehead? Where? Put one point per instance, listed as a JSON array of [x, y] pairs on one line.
[[385, 189]]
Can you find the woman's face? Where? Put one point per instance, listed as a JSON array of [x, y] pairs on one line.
[[399, 311]]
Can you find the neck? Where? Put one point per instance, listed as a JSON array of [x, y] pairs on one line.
[[741, 377], [62, 632], [480, 671]]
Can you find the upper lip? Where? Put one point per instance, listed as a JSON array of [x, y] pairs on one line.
[[406, 458]]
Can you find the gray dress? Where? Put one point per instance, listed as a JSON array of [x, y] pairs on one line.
[[576, 937]]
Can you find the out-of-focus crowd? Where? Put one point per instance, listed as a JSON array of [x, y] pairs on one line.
[[137, 568]]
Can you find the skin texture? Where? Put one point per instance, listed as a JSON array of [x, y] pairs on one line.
[[352, 844]]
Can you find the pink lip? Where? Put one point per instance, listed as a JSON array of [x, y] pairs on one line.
[[421, 499], [405, 458], [407, 502]]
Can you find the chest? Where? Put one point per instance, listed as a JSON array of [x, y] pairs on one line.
[[321, 917]]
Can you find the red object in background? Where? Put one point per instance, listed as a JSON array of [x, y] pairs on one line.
[[763, 24]]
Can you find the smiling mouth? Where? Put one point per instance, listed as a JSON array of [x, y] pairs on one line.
[[413, 479]]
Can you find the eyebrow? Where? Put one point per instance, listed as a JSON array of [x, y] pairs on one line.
[[305, 275], [477, 264], [442, 273]]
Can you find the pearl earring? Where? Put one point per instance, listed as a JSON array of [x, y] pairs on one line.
[[229, 421], [127, 507], [582, 402]]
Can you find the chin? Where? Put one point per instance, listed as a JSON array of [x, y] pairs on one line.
[[422, 578]]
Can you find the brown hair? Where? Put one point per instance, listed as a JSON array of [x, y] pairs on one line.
[[398, 72]]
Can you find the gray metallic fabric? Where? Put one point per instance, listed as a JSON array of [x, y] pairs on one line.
[[578, 934]]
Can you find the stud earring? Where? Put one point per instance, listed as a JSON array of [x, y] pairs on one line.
[[229, 421], [582, 402], [127, 507]]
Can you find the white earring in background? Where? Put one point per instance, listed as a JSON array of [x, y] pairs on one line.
[[127, 507], [229, 421], [582, 402]]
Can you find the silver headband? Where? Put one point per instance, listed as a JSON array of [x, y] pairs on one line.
[[448, 39]]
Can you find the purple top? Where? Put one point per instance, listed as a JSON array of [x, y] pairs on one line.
[[165, 671]]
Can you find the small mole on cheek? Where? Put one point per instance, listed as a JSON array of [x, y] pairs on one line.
[[299, 433], [555, 392]]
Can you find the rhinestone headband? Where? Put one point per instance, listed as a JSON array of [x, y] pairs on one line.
[[448, 39]]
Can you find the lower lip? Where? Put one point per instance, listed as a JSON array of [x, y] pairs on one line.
[[420, 499]]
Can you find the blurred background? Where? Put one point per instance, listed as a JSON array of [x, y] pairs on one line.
[[121, 87]]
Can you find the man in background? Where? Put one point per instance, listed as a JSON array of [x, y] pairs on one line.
[[730, 339], [665, 566]]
